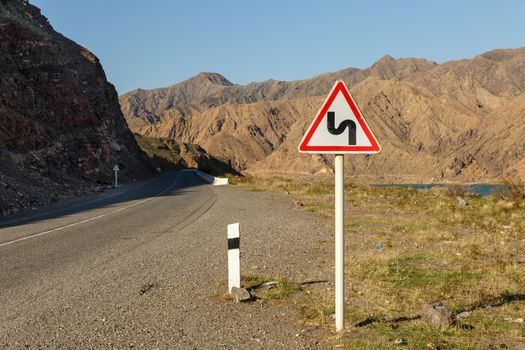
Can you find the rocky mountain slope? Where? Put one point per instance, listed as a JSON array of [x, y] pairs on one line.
[[61, 128], [457, 121]]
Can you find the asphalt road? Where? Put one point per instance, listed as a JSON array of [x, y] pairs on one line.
[[33, 245], [138, 267]]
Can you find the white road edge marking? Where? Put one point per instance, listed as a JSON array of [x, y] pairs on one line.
[[7, 223], [87, 220]]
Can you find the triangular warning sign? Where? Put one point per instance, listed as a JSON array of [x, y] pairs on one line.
[[339, 127]]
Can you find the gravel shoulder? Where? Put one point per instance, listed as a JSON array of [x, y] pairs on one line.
[[157, 290]]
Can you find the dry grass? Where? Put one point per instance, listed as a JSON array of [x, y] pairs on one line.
[[456, 190], [515, 190], [262, 288], [406, 247]]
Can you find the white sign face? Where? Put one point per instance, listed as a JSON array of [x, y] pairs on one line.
[[116, 168], [339, 127]]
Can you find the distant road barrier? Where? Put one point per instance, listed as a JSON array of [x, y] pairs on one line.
[[215, 181]]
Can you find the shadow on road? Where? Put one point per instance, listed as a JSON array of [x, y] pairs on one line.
[[166, 184]]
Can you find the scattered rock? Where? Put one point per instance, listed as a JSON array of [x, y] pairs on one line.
[[146, 287], [241, 294], [265, 287], [517, 320], [115, 146], [270, 283], [464, 314], [297, 204], [401, 341], [462, 202], [433, 346], [437, 314]]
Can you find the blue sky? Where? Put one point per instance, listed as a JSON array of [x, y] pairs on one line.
[[156, 43]]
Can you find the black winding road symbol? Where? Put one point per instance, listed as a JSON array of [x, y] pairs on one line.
[[347, 123]]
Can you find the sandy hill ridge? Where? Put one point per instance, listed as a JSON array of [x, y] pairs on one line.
[[460, 120]]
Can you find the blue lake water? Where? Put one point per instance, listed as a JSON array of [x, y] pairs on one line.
[[481, 189]]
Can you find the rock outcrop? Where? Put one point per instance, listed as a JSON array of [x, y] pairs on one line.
[[61, 128], [457, 121], [168, 154]]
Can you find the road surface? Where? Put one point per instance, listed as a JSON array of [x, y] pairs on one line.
[[138, 267]]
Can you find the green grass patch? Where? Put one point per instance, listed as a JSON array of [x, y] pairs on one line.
[[252, 281], [282, 290], [411, 228], [269, 288], [319, 207], [352, 227], [404, 272]]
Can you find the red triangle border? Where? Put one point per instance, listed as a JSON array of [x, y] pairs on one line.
[[339, 87]]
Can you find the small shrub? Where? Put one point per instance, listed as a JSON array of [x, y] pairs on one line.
[[456, 191], [515, 190]]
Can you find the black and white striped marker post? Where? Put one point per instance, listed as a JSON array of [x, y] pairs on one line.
[[234, 261]]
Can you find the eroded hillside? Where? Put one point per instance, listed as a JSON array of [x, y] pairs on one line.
[[456, 121], [61, 128]]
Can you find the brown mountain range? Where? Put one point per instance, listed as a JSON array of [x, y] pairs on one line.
[[458, 121]]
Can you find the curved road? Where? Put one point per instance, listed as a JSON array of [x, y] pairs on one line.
[[66, 244], [144, 266]]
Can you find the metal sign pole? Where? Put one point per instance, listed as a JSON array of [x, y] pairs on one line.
[[326, 135], [339, 243]]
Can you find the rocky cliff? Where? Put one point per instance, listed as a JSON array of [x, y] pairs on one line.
[[457, 121], [61, 128]]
